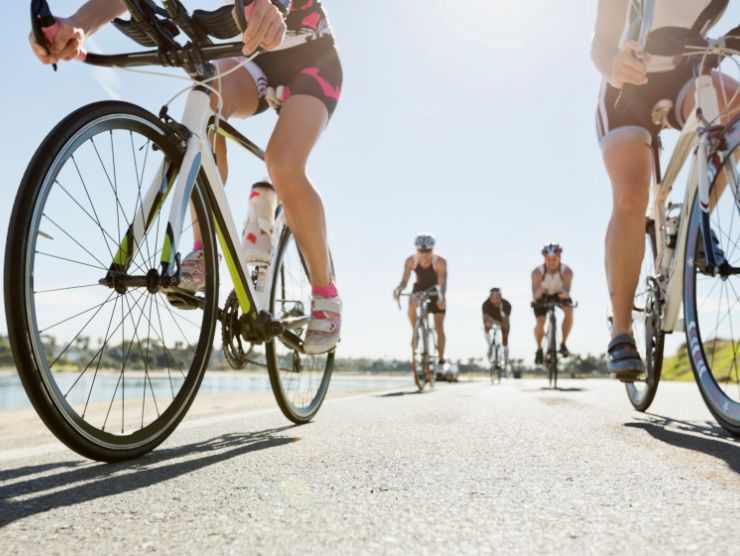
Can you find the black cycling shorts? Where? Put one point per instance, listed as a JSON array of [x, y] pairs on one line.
[[628, 117], [312, 69]]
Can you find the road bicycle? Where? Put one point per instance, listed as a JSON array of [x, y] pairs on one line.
[[550, 303], [424, 362], [89, 253], [693, 245], [495, 354]]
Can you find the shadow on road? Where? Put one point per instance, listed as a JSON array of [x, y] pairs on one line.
[[398, 394], [701, 436], [95, 480]]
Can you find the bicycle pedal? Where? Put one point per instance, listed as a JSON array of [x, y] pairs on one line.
[[182, 300]]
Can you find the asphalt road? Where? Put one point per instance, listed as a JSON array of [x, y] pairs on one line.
[[468, 469]]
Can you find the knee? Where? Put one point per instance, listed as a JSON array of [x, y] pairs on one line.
[[286, 170], [631, 202]]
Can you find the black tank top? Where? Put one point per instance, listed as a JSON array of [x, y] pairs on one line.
[[426, 277]]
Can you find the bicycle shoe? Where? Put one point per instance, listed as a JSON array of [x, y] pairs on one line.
[[564, 350], [539, 358], [324, 327], [624, 360]]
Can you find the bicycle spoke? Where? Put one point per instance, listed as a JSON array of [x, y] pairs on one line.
[[45, 330], [85, 249], [55, 290], [45, 254]]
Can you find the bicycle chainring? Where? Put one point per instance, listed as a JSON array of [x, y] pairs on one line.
[[233, 346]]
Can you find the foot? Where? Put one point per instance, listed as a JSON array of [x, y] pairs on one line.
[[539, 358], [564, 350], [624, 360], [193, 272], [324, 327]]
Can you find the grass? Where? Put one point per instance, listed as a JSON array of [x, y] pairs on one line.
[[724, 362]]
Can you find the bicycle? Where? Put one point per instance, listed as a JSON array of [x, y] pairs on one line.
[[691, 244], [550, 303], [494, 354], [75, 251], [424, 362]]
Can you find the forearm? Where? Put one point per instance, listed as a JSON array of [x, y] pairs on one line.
[[605, 44], [96, 13]]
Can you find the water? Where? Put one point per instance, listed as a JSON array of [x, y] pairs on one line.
[[13, 396]]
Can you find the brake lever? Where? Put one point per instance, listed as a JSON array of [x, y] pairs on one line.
[[42, 22]]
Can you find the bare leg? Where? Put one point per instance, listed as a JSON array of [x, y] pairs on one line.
[[439, 326], [302, 119], [567, 322], [539, 331], [630, 169]]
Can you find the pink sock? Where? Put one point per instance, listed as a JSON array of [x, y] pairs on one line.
[[197, 245], [327, 291]]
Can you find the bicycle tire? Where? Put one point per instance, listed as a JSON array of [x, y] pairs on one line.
[[552, 351], [32, 360], [323, 364], [653, 338], [725, 409]]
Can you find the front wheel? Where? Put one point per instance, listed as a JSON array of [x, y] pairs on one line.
[[711, 296], [299, 381], [111, 370]]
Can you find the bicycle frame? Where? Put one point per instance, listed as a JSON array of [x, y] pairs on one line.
[[199, 162], [691, 143]]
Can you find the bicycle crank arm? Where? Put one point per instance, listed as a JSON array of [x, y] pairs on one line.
[[293, 323]]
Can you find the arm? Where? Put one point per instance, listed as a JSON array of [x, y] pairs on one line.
[[537, 290], [567, 281], [407, 268], [96, 13], [442, 276], [619, 64]]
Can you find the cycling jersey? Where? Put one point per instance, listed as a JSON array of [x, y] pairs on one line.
[[427, 277], [495, 311], [311, 68], [625, 115]]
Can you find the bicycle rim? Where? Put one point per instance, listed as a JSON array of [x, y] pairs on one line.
[[711, 302], [110, 372], [649, 338], [299, 381]]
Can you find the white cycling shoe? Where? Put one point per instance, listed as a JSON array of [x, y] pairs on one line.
[[325, 325]]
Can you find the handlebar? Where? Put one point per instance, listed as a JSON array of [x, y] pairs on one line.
[[151, 25], [550, 301], [678, 41], [422, 295]]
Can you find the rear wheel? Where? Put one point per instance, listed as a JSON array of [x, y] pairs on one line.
[[111, 372], [649, 337], [299, 381], [712, 299]]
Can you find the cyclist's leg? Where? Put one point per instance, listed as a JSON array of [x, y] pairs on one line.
[[240, 98], [630, 168], [413, 304], [439, 326], [567, 322], [539, 330]]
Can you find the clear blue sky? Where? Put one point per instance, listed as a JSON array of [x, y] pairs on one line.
[[474, 123]]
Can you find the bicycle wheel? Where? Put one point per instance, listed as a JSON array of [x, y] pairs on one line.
[[299, 381], [711, 299], [420, 363], [552, 353], [111, 372], [646, 327]]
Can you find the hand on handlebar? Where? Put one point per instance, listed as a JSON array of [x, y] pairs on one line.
[[64, 41], [265, 26], [628, 66]]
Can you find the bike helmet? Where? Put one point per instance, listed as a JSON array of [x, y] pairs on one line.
[[551, 249], [424, 242]]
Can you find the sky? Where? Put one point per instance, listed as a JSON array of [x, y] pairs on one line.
[[475, 124]]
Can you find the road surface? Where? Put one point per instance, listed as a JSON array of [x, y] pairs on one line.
[[468, 469]]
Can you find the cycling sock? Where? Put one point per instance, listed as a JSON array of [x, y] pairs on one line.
[[326, 291], [197, 245]]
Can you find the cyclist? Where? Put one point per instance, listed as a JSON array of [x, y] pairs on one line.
[[304, 81], [630, 139], [551, 281], [431, 271], [497, 310]]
